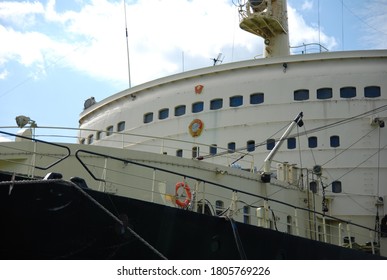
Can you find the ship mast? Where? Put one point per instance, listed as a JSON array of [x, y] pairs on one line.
[[267, 19]]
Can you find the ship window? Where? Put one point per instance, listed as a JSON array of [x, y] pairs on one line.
[[236, 101], [291, 143], [219, 207], [347, 92], [179, 153], [335, 141], [213, 149], [197, 107], [289, 223], [301, 94], [216, 104], [90, 139], [324, 93], [312, 142], [121, 126], [256, 98], [148, 117], [372, 91], [163, 114], [179, 110], [270, 143], [250, 145], [109, 130], [195, 152], [82, 141], [231, 147], [99, 135], [336, 187], [313, 186], [246, 214]]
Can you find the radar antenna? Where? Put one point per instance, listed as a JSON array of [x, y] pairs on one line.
[[218, 59]]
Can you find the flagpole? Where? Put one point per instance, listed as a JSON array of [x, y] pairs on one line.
[[127, 45]]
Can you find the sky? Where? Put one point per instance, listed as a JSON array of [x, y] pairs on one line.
[[54, 54]]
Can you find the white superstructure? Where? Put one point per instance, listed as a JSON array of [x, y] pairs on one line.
[[233, 114]]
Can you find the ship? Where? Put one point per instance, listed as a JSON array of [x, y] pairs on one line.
[[282, 157]]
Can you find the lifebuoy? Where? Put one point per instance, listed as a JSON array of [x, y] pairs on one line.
[[185, 203], [195, 127]]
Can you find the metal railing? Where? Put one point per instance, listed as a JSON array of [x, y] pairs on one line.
[[151, 182]]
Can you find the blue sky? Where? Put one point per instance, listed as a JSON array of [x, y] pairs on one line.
[[56, 54]]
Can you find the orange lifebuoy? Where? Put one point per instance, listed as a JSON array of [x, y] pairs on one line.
[[185, 203], [195, 127]]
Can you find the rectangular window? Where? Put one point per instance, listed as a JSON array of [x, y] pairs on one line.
[[109, 130], [312, 142], [256, 98], [195, 152], [348, 92], [291, 143], [219, 207], [324, 93], [270, 143], [163, 114], [246, 214], [216, 104], [250, 145], [121, 126], [213, 149], [148, 117], [179, 110], [197, 107], [236, 101], [372, 92], [179, 153], [231, 147], [301, 94], [335, 141], [99, 135]]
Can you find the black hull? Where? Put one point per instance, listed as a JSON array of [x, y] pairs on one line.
[[58, 220]]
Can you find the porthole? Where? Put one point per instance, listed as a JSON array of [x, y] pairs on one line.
[[372, 91], [301, 94], [236, 101], [348, 92], [148, 117], [256, 98], [163, 114], [216, 104]]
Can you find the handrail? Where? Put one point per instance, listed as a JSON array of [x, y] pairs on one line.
[[126, 161], [44, 142]]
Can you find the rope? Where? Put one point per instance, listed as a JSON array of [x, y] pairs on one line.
[[237, 240], [118, 221]]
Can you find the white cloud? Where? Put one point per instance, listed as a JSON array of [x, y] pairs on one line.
[[92, 39], [20, 13], [3, 74], [300, 33], [307, 5]]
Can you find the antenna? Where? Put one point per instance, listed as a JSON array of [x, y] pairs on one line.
[[218, 60], [127, 45]]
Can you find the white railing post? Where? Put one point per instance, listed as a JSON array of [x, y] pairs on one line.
[[349, 236], [340, 235], [296, 222], [324, 230], [372, 243]]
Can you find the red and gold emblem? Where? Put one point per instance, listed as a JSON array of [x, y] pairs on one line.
[[195, 127], [199, 89]]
